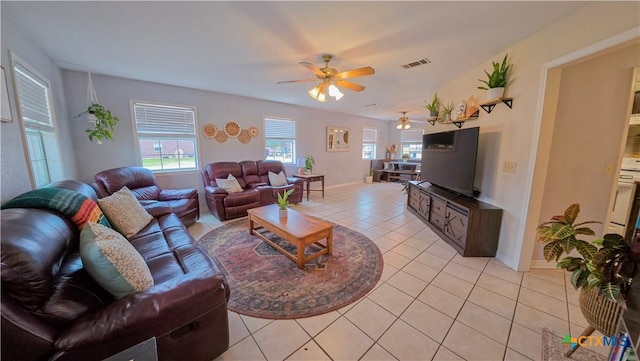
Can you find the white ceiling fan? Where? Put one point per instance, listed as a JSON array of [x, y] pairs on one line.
[[404, 122]]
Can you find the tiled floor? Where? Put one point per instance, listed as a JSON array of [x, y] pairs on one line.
[[430, 304]]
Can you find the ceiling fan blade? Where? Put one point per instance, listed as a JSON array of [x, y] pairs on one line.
[[312, 67], [367, 70], [349, 85], [297, 81]]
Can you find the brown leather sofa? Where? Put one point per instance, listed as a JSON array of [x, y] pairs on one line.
[[53, 310], [143, 185], [253, 178]]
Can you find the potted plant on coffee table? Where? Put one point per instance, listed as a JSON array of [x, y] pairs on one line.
[[602, 270], [497, 80], [283, 203]]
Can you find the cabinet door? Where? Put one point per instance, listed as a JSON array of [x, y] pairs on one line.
[[424, 205], [414, 198], [456, 226]]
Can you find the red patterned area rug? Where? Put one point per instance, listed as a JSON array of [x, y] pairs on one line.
[[266, 284]]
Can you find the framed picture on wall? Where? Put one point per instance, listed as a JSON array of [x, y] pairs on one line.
[[337, 139], [6, 107]]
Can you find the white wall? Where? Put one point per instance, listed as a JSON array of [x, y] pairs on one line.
[[511, 134], [217, 109], [15, 176]]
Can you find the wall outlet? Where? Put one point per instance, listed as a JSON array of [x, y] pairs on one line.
[[509, 167]]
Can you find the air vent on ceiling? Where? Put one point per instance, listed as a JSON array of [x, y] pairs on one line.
[[413, 64]]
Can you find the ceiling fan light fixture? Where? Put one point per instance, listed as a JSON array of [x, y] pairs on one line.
[[322, 97], [314, 92], [335, 92], [407, 126]]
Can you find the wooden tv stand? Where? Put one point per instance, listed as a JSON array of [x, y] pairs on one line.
[[470, 226]]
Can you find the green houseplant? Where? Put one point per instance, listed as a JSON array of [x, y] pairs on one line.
[[446, 111], [497, 80], [603, 271], [604, 263], [283, 202], [309, 163], [104, 122], [434, 105]]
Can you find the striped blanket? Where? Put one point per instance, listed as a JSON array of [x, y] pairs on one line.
[[76, 206]]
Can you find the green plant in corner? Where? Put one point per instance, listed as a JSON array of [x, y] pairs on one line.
[[104, 121], [405, 156], [604, 263], [309, 162], [283, 202], [497, 78]]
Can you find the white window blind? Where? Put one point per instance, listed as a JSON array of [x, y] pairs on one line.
[[279, 128], [167, 136], [280, 140], [369, 135], [33, 94], [34, 101], [152, 119], [411, 136]]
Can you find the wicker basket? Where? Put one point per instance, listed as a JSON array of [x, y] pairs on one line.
[[601, 313]]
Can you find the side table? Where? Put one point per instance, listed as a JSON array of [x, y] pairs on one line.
[[308, 178]]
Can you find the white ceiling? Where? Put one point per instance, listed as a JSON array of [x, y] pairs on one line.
[[244, 48]]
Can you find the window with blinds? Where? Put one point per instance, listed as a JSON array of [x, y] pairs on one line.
[[38, 126], [280, 139], [412, 143], [167, 136], [369, 140]]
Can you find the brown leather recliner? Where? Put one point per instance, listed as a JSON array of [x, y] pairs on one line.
[[225, 205], [52, 309], [275, 166], [254, 181], [143, 185]]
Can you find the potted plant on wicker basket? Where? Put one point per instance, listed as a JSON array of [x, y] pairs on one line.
[[602, 270]]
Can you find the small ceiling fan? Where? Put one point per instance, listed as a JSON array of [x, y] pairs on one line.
[[331, 79], [404, 122]]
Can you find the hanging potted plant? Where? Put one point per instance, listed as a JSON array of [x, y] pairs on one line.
[[497, 80], [103, 122], [602, 271], [433, 106]]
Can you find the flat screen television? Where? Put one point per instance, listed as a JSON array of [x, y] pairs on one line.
[[449, 159]]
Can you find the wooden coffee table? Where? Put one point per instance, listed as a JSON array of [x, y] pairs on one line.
[[298, 229]]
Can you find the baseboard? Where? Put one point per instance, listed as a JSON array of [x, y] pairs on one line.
[[343, 185], [542, 264]]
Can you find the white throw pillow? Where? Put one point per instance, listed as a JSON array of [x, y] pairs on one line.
[[230, 184], [277, 180]]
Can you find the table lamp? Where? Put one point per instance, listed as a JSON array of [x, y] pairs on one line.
[[301, 166]]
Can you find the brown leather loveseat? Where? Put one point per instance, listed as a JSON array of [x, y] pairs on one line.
[[256, 189], [143, 185], [52, 309]]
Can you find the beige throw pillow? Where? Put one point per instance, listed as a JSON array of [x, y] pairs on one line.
[[124, 212], [277, 180], [230, 184]]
